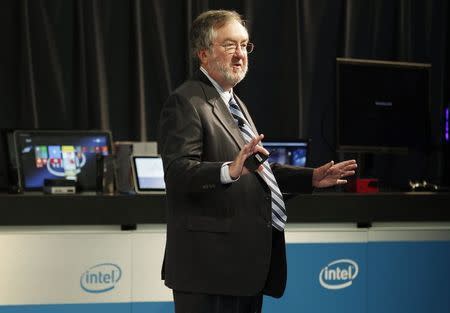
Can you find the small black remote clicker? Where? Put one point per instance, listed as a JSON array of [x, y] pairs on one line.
[[255, 160]]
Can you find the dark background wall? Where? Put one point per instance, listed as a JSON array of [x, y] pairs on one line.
[[110, 64]]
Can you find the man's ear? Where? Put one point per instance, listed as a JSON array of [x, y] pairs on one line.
[[202, 56]]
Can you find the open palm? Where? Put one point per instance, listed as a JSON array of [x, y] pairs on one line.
[[331, 174]]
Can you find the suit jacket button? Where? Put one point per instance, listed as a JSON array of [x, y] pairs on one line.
[[269, 225]]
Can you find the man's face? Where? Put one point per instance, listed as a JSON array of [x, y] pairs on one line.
[[226, 61]]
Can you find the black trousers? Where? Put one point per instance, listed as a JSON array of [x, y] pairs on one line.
[[186, 302]]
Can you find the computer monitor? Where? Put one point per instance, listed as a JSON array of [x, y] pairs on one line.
[[69, 155], [290, 152], [382, 106]]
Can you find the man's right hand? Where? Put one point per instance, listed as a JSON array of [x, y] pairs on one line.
[[237, 168]]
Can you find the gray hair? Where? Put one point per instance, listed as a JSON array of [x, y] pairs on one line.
[[203, 28]]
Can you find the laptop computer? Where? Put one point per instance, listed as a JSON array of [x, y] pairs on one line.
[[289, 152]]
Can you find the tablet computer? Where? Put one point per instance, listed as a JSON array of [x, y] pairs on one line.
[[148, 174]]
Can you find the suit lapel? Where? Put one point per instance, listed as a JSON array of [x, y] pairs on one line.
[[220, 110]]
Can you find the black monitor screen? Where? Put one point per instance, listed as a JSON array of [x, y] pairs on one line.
[[382, 105], [287, 152], [70, 155]]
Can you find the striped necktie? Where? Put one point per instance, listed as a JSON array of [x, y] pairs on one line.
[[278, 208]]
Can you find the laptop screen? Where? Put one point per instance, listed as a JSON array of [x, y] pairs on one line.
[[148, 172], [288, 152]]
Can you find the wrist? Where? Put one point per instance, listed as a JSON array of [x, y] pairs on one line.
[[314, 178], [233, 172]]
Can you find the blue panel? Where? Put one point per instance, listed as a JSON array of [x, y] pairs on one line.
[[68, 308], [409, 277], [139, 307], [304, 293]]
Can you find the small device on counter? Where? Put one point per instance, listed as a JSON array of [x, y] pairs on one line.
[[148, 174], [105, 174], [59, 186]]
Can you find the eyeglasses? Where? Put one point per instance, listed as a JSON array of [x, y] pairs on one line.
[[231, 47]]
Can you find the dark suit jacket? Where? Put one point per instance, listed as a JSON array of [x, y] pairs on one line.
[[219, 236]]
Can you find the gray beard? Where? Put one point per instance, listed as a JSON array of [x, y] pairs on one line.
[[231, 78]]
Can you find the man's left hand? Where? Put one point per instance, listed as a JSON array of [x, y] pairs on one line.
[[331, 174]]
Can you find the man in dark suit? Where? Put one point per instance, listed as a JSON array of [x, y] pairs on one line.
[[225, 223]]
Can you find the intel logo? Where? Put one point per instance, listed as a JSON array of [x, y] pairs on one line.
[[338, 274], [100, 278]]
